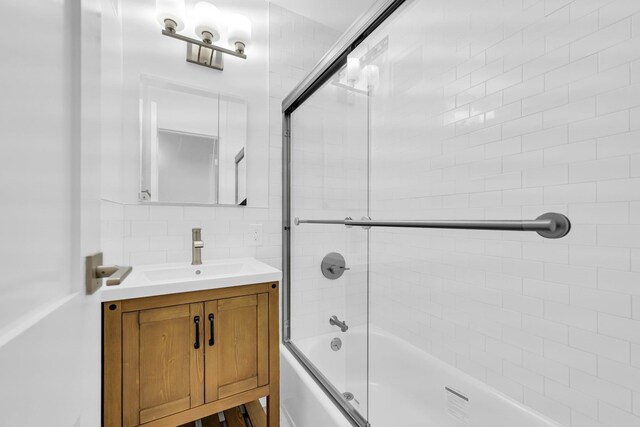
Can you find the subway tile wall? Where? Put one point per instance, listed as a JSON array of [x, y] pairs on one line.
[[139, 234], [499, 109]]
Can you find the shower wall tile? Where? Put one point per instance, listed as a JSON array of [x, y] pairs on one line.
[[607, 347], [610, 415], [546, 118], [635, 165], [620, 99], [635, 72], [619, 190], [594, 256], [617, 372], [613, 12], [600, 126]]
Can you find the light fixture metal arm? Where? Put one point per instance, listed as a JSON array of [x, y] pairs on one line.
[[205, 53], [203, 44]]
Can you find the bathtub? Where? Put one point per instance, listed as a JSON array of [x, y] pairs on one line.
[[302, 401], [407, 386]]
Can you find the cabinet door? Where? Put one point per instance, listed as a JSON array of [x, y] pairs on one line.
[[163, 362], [237, 358]]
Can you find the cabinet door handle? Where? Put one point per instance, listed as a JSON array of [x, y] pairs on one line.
[[211, 319], [196, 321]]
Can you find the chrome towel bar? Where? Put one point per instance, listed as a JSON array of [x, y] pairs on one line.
[[550, 225]]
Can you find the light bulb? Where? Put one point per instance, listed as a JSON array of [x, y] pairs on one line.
[[239, 32], [207, 22], [353, 70], [372, 75], [170, 14]]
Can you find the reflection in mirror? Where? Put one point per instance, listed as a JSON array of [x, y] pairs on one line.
[[187, 167], [241, 180], [193, 145], [233, 137]]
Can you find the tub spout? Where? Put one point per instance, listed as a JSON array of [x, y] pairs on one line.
[[333, 320]]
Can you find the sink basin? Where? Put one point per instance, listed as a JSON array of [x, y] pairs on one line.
[[193, 272], [161, 279]]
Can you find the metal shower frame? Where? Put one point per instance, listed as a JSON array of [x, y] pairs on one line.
[[333, 60]]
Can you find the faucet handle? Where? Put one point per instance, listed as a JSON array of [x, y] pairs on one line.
[[196, 245], [333, 268], [196, 234]]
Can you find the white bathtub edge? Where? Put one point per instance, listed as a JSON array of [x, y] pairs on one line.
[[299, 390]]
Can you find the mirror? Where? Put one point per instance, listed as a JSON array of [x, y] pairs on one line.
[[192, 145]]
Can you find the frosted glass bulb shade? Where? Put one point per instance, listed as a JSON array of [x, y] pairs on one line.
[[372, 75], [239, 31], [207, 20], [353, 69], [172, 10]]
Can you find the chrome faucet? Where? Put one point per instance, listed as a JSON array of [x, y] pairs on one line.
[[333, 320], [196, 246]]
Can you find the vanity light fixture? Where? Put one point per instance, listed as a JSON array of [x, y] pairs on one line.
[[371, 74], [239, 32], [353, 70], [361, 73], [209, 28]]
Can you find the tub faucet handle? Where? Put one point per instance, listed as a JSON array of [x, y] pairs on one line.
[[333, 268]]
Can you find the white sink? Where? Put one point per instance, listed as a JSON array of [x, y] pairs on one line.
[[197, 272], [151, 280]]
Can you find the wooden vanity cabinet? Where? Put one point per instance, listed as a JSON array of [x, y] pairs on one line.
[[239, 360], [162, 371], [172, 359]]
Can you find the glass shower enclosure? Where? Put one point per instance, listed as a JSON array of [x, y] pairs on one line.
[[376, 216], [328, 306]]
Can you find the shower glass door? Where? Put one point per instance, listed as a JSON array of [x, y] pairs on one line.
[[328, 319], [490, 112]]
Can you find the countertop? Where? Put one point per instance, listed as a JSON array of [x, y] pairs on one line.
[[183, 277]]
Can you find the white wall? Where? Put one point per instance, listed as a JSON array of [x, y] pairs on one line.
[[34, 113], [506, 110], [49, 348], [111, 75], [335, 14]]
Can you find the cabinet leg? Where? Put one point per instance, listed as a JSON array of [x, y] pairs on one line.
[[273, 410], [273, 400]]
